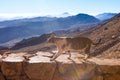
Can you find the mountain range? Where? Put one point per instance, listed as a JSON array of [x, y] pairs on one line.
[[105, 16], [22, 28], [107, 34]]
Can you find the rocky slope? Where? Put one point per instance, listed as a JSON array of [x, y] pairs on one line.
[[108, 33]]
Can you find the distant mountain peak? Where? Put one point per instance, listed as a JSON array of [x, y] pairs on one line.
[[85, 18], [105, 16], [66, 13], [83, 15]]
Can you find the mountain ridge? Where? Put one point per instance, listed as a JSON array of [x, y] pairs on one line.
[[31, 28], [105, 16], [107, 33]]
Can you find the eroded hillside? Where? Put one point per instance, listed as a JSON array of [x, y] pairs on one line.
[[107, 33], [109, 36]]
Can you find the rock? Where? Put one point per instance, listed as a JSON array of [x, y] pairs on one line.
[[114, 36], [105, 69], [12, 67], [112, 77], [97, 77], [119, 37], [74, 71], [105, 28], [40, 71], [13, 71], [1, 76], [5, 52], [39, 67]]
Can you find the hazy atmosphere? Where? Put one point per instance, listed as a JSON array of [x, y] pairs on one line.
[[13, 8]]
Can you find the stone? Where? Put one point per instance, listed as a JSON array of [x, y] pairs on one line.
[[114, 36], [74, 71], [40, 71], [39, 67], [1, 76], [12, 70], [97, 77], [105, 28], [105, 69], [112, 77]]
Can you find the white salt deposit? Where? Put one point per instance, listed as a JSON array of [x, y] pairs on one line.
[[13, 58], [41, 57]]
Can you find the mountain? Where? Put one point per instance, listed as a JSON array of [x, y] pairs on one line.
[[107, 34], [11, 23], [36, 26], [65, 14], [1, 19], [31, 41], [105, 16]]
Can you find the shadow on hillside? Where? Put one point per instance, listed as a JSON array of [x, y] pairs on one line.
[[105, 47]]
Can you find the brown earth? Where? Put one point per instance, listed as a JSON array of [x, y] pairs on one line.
[[109, 33]]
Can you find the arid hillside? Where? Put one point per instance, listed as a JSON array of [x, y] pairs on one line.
[[108, 35]]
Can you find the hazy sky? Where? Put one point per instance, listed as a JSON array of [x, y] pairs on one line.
[[54, 7]]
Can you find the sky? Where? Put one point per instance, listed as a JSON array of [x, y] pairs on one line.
[[15, 8]]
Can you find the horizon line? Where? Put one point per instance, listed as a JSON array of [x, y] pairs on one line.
[[30, 15]]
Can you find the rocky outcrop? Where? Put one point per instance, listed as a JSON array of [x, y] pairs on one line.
[[39, 67]]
